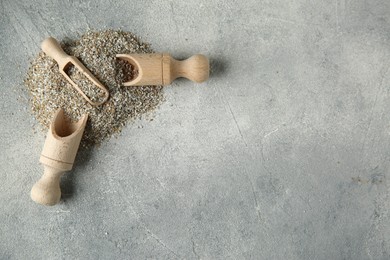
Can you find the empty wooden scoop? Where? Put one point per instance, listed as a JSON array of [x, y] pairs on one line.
[[52, 48], [162, 69], [58, 155]]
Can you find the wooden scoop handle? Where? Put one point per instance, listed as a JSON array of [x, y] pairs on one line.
[[47, 190], [195, 68], [52, 48]]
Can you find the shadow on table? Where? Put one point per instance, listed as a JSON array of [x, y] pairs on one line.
[[69, 179], [218, 67]]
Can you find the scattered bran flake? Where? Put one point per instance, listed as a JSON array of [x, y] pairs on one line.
[[49, 90]]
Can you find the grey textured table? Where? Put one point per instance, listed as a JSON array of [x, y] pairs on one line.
[[282, 154]]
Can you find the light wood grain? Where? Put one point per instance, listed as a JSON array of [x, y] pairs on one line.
[[58, 155], [52, 48], [162, 69]]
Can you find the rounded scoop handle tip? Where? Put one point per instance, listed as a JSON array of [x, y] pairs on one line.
[[52, 48], [46, 190]]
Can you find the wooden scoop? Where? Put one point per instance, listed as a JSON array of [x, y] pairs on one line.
[[52, 48], [162, 69], [58, 155]]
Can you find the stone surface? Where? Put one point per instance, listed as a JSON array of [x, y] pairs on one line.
[[282, 154]]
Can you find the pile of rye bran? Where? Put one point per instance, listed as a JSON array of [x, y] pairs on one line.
[[49, 90]]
